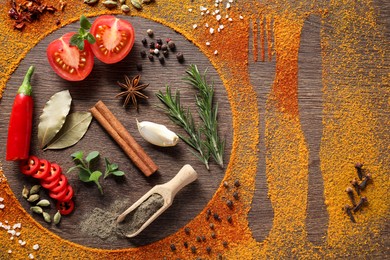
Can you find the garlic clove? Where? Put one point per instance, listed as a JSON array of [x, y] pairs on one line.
[[157, 134]]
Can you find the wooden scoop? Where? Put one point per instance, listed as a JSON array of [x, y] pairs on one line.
[[185, 176]]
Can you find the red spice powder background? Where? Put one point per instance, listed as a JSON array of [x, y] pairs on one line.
[[355, 69]]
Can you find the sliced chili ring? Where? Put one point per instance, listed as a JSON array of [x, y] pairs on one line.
[[61, 186], [29, 166], [50, 185], [69, 194], [43, 170], [58, 195], [65, 207], [55, 173]]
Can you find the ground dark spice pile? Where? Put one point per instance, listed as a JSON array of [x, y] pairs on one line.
[[352, 44]]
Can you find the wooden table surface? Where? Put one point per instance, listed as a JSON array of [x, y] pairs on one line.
[[119, 193]]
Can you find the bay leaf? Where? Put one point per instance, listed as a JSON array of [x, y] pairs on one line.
[[74, 128], [53, 116]]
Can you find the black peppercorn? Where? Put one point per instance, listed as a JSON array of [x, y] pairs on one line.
[[161, 59], [159, 41], [173, 247], [143, 54], [165, 53], [193, 249], [171, 45], [139, 66], [185, 244], [151, 58], [144, 41], [180, 57], [164, 47], [237, 183], [151, 45], [216, 217], [203, 238]]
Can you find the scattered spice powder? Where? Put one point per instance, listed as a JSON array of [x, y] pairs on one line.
[[352, 97]]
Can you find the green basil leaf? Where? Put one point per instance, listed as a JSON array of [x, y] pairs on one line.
[[118, 173], [84, 23], [53, 117], [84, 175], [89, 37], [74, 128], [92, 155], [77, 155]]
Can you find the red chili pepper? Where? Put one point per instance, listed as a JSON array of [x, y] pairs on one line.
[[20, 124]]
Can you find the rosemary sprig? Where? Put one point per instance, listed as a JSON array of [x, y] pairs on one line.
[[207, 112], [183, 118]]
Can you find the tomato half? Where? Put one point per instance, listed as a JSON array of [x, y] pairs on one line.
[[69, 62], [114, 38], [65, 207], [29, 166]]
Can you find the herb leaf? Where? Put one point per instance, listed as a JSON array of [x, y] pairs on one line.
[[75, 126], [82, 35], [92, 155], [53, 116], [95, 178], [112, 168]]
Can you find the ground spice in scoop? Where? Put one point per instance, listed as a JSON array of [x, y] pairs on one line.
[[135, 219]]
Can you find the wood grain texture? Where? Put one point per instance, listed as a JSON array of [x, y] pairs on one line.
[[102, 85]]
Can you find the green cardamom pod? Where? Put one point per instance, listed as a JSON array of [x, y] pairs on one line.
[[25, 192], [57, 218], [122, 2], [125, 8], [33, 198], [35, 189], [110, 4], [43, 203], [46, 217], [90, 2], [37, 209], [136, 4]]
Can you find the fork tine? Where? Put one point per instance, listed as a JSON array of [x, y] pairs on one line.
[[270, 36]]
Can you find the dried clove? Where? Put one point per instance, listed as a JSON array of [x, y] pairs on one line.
[[356, 186], [348, 209], [363, 200], [363, 184], [358, 167], [351, 196]]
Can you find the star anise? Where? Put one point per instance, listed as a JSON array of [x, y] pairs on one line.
[[132, 90]]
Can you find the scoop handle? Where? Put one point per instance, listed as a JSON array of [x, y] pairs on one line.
[[185, 176]]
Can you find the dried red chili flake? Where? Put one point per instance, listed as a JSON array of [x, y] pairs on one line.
[[28, 11]]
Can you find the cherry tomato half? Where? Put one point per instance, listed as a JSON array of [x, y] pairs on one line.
[[29, 166], [43, 171], [69, 62], [61, 186], [114, 38], [68, 195], [65, 207]]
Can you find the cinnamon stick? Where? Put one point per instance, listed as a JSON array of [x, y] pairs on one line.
[[124, 139]]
